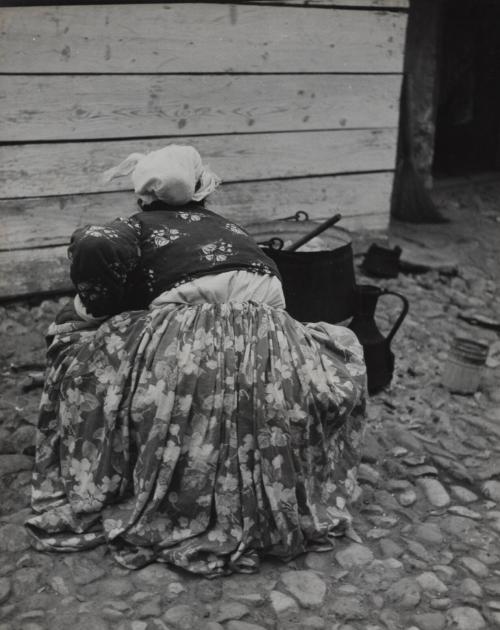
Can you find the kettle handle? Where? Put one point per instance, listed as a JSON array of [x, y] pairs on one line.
[[402, 315]]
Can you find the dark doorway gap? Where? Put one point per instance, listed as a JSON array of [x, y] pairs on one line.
[[468, 97]]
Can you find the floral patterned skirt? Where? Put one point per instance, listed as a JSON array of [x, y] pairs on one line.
[[204, 436]]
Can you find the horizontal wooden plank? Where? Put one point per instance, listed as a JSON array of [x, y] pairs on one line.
[[49, 221], [69, 168], [193, 37], [40, 271], [93, 107], [30, 272], [357, 197], [359, 4]]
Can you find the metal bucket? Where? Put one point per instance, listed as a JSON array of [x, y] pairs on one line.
[[318, 285]]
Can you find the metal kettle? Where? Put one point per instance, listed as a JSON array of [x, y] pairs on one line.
[[379, 358]]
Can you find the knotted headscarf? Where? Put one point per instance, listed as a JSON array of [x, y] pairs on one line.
[[174, 174]]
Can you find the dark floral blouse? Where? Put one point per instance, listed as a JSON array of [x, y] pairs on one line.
[[127, 263]]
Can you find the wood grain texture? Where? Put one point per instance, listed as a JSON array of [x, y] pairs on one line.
[[29, 272], [51, 220], [69, 168], [307, 129], [204, 38], [359, 4], [94, 107]]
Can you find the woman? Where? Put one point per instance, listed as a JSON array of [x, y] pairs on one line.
[[186, 417]]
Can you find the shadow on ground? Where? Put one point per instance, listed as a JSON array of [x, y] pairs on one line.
[[429, 515]]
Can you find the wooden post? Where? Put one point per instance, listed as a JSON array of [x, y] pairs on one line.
[[421, 68]]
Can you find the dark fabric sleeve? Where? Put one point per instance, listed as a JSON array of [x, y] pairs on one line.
[[67, 314], [102, 260]]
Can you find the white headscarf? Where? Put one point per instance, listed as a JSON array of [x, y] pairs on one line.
[[170, 174]]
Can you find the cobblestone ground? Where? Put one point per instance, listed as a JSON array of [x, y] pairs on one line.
[[428, 519]]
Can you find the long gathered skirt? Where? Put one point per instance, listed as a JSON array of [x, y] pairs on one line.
[[205, 436]]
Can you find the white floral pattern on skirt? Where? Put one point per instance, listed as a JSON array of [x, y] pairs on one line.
[[205, 436]]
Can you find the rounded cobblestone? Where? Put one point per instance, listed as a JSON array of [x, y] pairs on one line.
[[423, 550]]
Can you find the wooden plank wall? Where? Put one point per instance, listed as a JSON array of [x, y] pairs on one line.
[[295, 104]]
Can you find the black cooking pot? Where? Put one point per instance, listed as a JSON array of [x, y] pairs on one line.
[[318, 285]]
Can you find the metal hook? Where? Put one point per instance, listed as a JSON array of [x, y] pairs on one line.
[[300, 215], [274, 243]]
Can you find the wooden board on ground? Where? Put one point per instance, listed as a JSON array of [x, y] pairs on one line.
[[150, 38], [35, 170], [51, 220], [87, 107]]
